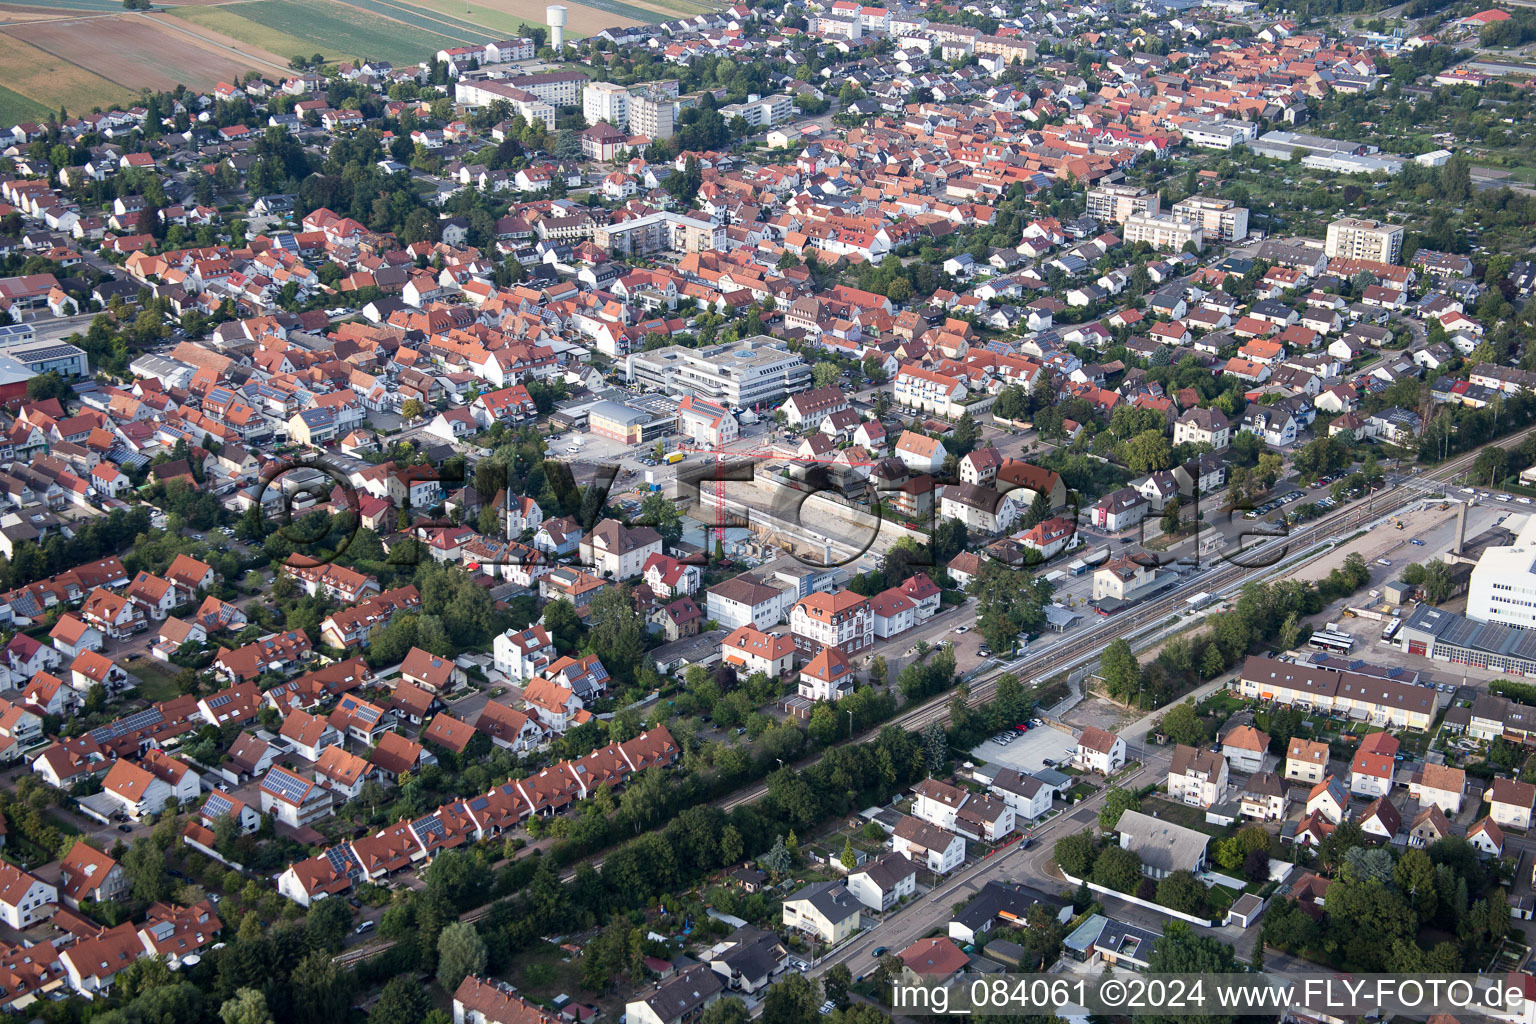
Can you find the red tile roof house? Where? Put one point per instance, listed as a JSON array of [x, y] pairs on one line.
[[1374, 766], [308, 881], [431, 672], [25, 900], [88, 874], [280, 652], [93, 963], [1099, 750], [936, 961], [177, 932]]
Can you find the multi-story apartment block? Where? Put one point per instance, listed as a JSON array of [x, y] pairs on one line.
[[652, 114], [1121, 202], [561, 88], [917, 388], [1221, 219], [1162, 231], [656, 232], [605, 101], [1356, 239], [763, 112], [843, 620], [521, 101]]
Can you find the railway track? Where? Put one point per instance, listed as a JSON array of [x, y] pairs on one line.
[[1071, 654]]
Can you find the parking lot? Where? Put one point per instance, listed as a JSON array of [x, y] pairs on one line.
[[1029, 752]]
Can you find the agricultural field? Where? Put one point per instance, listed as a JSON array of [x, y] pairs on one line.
[[428, 20], [138, 53], [15, 108], [334, 28], [70, 7], [582, 19], [54, 82], [227, 23]]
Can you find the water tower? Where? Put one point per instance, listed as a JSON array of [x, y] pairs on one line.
[[555, 15]]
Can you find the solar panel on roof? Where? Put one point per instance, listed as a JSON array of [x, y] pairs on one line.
[[218, 804], [289, 787]]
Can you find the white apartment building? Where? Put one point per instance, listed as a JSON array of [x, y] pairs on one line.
[[527, 104], [1119, 203], [744, 601], [762, 112], [755, 371], [1356, 239], [523, 654], [605, 101], [1221, 220], [1197, 777], [656, 232], [916, 388], [561, 88], [1162, 231]]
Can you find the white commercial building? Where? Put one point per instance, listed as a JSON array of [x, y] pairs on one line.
[[522, 102], [1504, 582], [755, 371], [1218, 134]]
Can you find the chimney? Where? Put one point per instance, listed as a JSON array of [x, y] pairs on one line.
[[1461, 527]]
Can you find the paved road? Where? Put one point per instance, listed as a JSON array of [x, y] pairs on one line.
[[1016, 864]]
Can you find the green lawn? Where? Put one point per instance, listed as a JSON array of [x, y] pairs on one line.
[[157, 681], [1181, 814]]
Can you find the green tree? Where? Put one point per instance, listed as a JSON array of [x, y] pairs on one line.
[[1183, 724], [411, 408], [403, 1001], [825, 374], [1075, 854], [1147, 452], [1116, 802], [729, 1010], [848, 858], [460, 953], [562, 623], [1183, 892], [662, 513], [835, 985], [1120, 671], [1181, 951], [1117, 868], [246, 1006], [791, 1001]]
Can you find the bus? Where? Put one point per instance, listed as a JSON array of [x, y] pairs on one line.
[[1391, 630], [1333, 643]]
